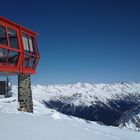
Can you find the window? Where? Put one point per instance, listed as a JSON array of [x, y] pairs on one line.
[[13, 57], [3, 39], [25, 42], [31, 42], [29, 48], [28, 43], [26, 61], [12, 34], [3, 55], [32, 62]]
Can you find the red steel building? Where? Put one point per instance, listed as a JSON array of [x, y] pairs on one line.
[[18, 48]]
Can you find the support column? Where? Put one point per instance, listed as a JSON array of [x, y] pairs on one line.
[[25, 93]]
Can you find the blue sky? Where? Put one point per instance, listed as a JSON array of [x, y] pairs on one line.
[[94, 41]]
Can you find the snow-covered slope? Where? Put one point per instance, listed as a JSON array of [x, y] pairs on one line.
[[132, 119], [47, 123], [33, 127]]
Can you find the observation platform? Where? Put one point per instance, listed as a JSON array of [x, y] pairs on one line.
[[18, 49], [19, 55]]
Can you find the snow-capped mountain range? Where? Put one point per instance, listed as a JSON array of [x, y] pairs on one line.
[[109, 104]]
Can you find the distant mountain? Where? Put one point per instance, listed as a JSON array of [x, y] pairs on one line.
[[108, 104], [104, 103]]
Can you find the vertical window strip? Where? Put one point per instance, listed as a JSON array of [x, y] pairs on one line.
[[25, 42]]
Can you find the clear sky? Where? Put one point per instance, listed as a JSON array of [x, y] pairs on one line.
[[94, 41]]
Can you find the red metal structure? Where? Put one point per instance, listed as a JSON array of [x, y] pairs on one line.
[[18, 49]]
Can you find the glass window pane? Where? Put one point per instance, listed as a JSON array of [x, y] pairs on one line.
[[13, 57], [12, 34], [26, 60], [3, 39], [32, 62], [31, 42], [25, 42], [3, 55]]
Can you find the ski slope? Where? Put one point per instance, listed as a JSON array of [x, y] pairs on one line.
[[33, 127]]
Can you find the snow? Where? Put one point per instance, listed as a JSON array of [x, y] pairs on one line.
[[47, 123], [84, 92], [32, 127]]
